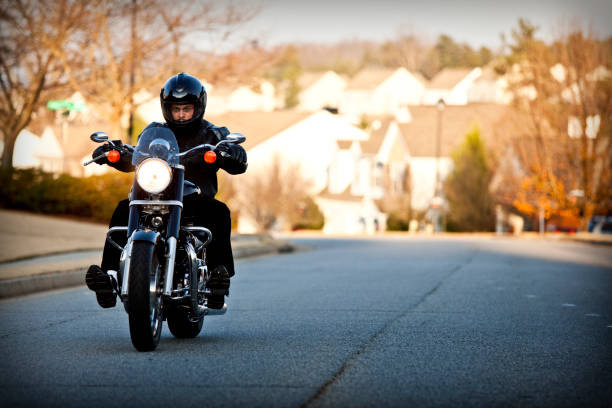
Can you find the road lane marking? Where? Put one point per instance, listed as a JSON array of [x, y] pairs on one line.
[[593, 314], [568, 305]]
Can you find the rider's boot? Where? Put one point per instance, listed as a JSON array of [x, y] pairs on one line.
[[218, 285], [101, 283]]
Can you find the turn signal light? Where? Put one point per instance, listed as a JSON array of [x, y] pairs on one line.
[[210, 156], [113, 156]]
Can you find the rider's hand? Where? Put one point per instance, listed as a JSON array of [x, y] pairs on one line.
[[233, 151], [107, 147]]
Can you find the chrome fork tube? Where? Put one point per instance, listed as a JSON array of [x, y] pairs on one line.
[[126, 258], [170, 258]]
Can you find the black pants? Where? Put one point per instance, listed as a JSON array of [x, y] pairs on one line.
[[207, 212]]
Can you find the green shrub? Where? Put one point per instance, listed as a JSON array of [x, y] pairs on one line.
[[308, 216], [92, 197], [396, 223]]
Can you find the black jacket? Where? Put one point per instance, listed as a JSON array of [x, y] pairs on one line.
[[196, 171]]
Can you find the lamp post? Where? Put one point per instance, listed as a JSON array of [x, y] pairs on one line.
[[437, 199]]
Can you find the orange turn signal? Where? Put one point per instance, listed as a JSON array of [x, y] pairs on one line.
[[210, 156], [113, 156]]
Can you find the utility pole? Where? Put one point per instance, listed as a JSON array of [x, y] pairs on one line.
[[132, 72]]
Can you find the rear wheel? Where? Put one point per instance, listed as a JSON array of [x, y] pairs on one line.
[[183, 321], [145, 297], [182, 327]]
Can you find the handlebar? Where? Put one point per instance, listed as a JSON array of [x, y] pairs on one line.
[[232, 138], [121, 149]]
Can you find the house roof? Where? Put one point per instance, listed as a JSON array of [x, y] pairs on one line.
[[421, 133], [344, 144], [419, 77], [377, 136], [258, 126], [369, 78], [488, 74], [448, 78], [307, 79]]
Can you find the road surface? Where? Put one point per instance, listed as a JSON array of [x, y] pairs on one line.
[[350, 322]]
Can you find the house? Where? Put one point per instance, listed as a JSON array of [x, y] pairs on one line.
[[350, 170], [381, 91], [346, 213], [297, 137], [364, 174], [329, 154], [490, 87], [453, 123], [241, 98], [33, 151], [451, 85], [320, 90]]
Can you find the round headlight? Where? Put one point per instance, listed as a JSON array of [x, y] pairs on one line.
[[153, 175]]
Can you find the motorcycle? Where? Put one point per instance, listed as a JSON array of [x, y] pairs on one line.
[[162, 269]]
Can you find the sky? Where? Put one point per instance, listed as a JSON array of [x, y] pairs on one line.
[[476, 22]]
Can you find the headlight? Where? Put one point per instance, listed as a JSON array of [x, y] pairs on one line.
[[153, 175]]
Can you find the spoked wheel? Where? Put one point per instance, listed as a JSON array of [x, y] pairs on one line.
[[145, 297]]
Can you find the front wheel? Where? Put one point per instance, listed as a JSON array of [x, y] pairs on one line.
[[145, 297]]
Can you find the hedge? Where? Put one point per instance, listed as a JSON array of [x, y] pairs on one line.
[[92, 197]]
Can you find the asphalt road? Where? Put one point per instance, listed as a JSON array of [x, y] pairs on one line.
[[363, 323]]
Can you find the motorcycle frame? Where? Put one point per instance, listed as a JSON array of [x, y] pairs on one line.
[[168, 203]]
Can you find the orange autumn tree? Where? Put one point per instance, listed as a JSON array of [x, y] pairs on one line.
[[564, 145]]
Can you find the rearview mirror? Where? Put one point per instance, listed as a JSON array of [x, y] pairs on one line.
[[99, 137], [236, 138]]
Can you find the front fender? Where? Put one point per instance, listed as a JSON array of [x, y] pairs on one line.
[[145, 236]]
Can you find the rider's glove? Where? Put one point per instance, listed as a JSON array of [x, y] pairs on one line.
[[233, 152], [107, 147]]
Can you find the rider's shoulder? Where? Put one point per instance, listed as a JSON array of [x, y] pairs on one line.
[[220, 132]]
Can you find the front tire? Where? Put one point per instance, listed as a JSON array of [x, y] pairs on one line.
[[145, 297]]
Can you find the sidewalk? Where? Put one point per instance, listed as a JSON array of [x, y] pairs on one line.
[[39, 252]]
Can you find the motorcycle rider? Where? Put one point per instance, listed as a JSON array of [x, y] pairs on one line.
[[183, 102]]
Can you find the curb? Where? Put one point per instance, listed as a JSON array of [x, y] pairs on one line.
[[76, 277]]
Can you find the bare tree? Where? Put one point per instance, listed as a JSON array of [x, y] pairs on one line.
[[29, 67], [273, 195], [135, 45], [565, 146]]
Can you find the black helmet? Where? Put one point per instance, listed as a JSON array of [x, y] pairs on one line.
[[183, 88]]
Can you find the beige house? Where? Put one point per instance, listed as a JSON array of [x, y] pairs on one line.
[[420, 134], [381, 91], [320, 90], [32, 151], [490, 87], [364, 174], [348, 167], [241, 98], [452, 85]]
